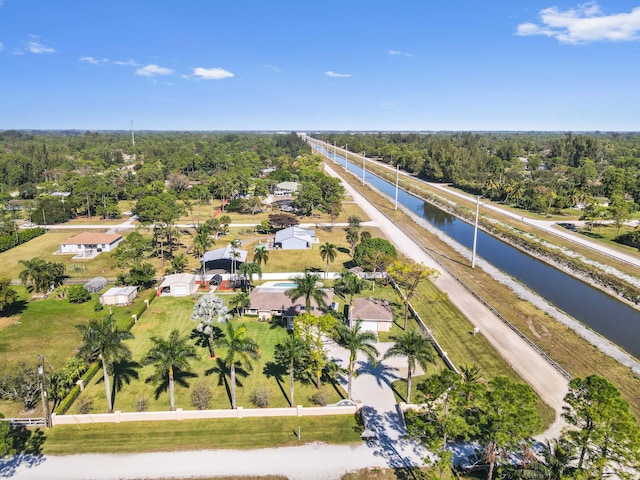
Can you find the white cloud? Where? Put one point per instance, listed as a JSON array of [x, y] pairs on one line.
[[152, 70], [127, 63], [211, 73], [398, 52], [337, 75], [94, 61], [583, 24], [34, 46]]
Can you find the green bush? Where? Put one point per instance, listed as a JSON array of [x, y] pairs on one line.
[[78, 294], [75, 391]]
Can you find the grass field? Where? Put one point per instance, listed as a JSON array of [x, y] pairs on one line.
[[226, 433], [166, 314]]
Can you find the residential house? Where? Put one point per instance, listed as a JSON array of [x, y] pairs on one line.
[[91, 243], [294, 238], [374, 313]]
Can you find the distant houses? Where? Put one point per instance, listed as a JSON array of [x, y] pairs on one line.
[[286, 189]]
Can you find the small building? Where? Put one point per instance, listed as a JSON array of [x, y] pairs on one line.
[[90, 243], [286, 189], [224, 259], [374, 313], [294, 238], [272, 302], [178, 285], [95, 284], [119, 296]]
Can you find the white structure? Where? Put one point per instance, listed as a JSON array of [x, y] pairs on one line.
[[294, 238], [374, 313], [285, 189], [178, 285], [95, 284], [91, 243], [119, 296]]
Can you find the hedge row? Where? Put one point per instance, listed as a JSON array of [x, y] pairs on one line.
[[75, 391], [7, 242]]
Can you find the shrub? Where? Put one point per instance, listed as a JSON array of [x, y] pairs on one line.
[[140, 403], [97, 306], [78, 294], [320, 397], [261, 397], [201, 396], [84, 405]]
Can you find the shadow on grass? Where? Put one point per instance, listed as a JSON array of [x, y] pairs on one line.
[[16, 308], [179, 377], [276, 371], [223, 371]]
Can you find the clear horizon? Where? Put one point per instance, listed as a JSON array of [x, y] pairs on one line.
[[533, 66]]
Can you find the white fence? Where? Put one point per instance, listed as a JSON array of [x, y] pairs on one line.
[[179, 414]]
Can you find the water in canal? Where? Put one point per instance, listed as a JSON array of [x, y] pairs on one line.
[[610, 318]]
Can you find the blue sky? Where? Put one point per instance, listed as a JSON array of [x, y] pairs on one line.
[[320, 65]]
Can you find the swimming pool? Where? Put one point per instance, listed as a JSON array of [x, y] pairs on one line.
[[285, 285]]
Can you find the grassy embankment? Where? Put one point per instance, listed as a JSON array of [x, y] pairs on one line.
[[571, 351]]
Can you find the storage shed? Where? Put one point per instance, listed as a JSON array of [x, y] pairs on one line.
[[95, 284], [178, 285], [294, 238], [119, 296]]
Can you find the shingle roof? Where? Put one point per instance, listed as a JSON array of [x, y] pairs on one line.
[[372, 309], [92, 238], [265, 298]]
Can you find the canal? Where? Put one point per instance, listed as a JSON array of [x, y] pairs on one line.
[[602, 313]]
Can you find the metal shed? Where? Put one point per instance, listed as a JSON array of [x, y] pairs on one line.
[[95, 284]]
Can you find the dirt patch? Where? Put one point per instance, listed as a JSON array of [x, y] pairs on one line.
[[7, 321]]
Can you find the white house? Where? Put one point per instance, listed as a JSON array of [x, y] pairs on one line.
[[374, 313], [285, 189], [119, 296], [91, 243], [178, 285], [294, 238]]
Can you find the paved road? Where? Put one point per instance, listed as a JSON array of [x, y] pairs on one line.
[[548, 382]]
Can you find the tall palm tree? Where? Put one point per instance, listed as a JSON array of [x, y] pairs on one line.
[[555, 464], [328, 254], [178, 264], [235, 245], [309, 287], [356, 340], [416, 347], [261, 255], [291, 353], [104, 340], [348, 283], [241, 349], [168, 357], [202, 240]]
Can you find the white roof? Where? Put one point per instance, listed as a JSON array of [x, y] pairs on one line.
[[120, 291], [177, 278], [295, 232], [225, 253], [288, 186]]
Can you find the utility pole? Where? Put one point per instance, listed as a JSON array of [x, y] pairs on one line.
[[397, 181], [364, 163], [475, 234], [43, 390], [346, 156]]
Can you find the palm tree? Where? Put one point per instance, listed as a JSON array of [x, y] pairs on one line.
[[261, 255], [239, 302], [328, 253], [235, 244], [102, 339], [356, 340], [208, 311], [307, 287], [202, 240], [291, 354], [178, 264], [32, 272], [249, 269], [240, 351], [348, 283], [555, 464], [416, 347], [169, 357]]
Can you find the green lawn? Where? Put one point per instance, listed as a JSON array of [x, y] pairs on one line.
[[245, 433], [164, 315]]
